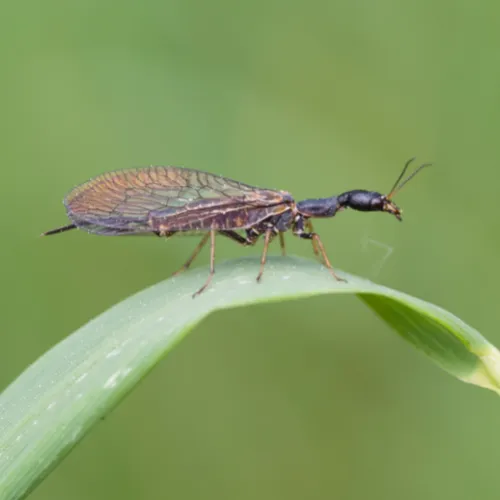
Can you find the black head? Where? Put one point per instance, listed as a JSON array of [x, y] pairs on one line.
[[371, 201]]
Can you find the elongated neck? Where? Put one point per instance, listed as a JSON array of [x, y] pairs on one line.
[[320, 207]]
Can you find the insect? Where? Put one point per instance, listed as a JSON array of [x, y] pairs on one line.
[[170, 200]]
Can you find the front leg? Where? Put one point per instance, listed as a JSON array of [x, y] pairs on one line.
[[298, 230], [310, 229]]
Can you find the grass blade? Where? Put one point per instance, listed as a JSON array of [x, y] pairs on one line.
[[56, 401]]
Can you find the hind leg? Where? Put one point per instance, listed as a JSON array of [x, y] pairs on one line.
[[212, 261], [197, 250]]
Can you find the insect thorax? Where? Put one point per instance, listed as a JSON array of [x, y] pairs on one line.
[[321, 207], [279, 223]]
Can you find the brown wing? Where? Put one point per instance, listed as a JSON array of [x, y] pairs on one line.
[[127, 201]]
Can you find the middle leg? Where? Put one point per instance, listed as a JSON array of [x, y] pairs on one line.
[[282, 243], [267, 239]]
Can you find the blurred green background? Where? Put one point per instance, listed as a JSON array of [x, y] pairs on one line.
[[314, 399]]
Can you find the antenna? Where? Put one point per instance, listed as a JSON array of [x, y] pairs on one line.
[[398, 184]]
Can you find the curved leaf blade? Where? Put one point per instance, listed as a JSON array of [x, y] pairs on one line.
[[56, 401]]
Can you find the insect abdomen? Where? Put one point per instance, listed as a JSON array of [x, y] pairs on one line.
[[228, 218]]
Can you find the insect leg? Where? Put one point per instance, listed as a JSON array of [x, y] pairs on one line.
[[317, 239], [267, 239], [233, 235], [212, 264], [197, 250], [299, 231], [282, 244], [309, 227], [164, 234]]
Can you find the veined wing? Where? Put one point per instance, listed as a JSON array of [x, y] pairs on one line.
[[121, 202]]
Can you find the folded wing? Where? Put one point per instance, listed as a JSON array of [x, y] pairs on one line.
[[136, 200]]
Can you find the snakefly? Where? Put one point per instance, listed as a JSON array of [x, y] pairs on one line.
[[170, 200]]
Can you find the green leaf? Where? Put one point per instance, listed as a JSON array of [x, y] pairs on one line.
[[57, 400]]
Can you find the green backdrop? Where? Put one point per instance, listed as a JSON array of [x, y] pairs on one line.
[[314, 399]]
